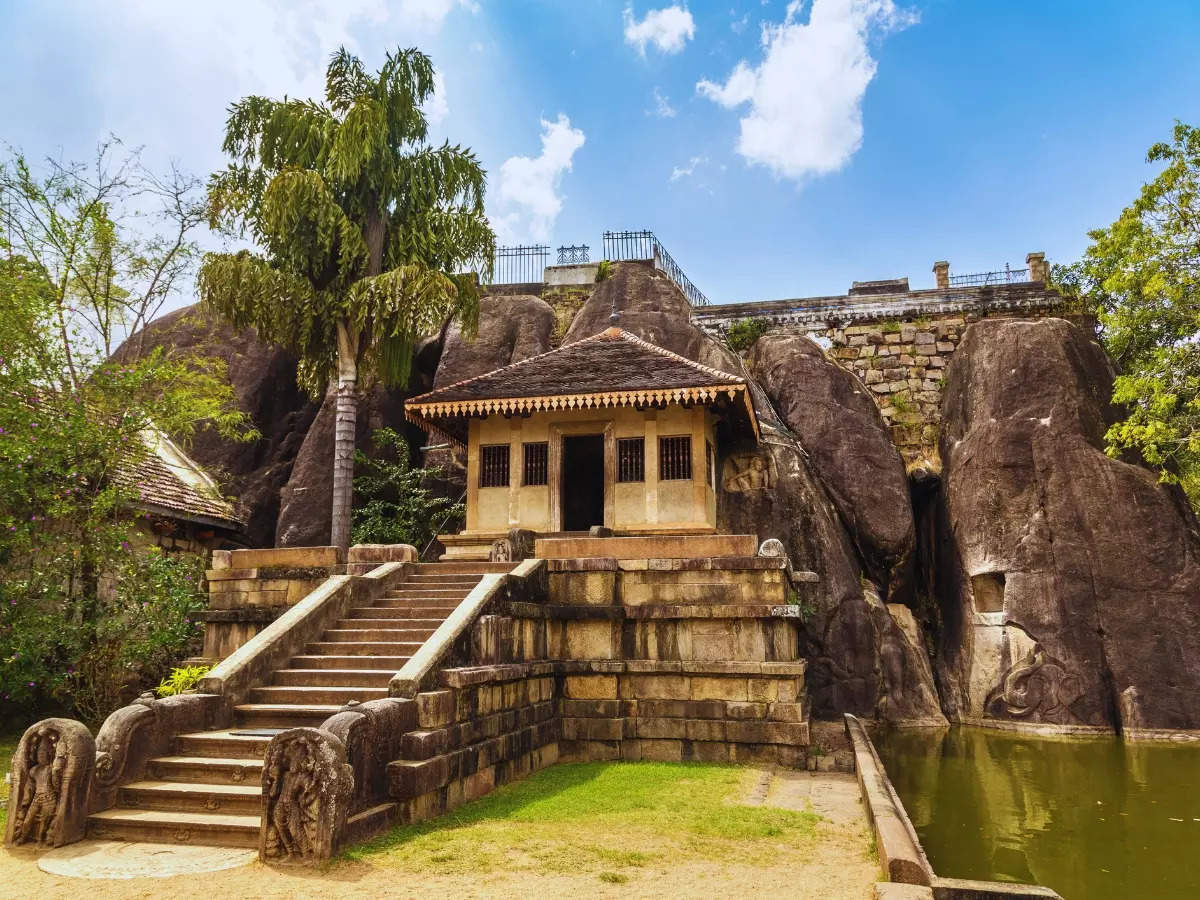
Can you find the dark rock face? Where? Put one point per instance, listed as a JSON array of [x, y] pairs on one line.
[[838, 423], [510, 329], [264, 379], [1069, 581]]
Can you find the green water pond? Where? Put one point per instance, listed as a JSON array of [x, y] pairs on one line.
[[1090, 817]]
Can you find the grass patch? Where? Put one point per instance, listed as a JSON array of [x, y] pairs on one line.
[[602, 818]]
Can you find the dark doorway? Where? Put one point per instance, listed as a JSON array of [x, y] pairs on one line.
[[582, 482]]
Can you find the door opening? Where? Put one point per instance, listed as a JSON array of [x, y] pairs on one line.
[[582, 482]]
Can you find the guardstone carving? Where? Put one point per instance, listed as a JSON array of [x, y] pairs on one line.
[[307, 788], [745, 472], [51, 776]]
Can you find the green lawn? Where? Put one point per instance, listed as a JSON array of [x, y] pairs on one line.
[[601, 818]]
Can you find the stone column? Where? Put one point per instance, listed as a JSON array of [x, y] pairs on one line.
[[941, 270], [1039, 269]]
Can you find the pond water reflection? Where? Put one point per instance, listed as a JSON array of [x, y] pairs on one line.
[[1092, 818]]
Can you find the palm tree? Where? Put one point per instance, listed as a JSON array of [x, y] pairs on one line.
[[360, 222]]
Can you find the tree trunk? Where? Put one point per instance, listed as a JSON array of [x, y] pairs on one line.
[[343, 435]]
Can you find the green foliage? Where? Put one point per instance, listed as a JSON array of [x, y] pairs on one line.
[[396, 506], [181, 680], [1141, 277], [744, 332], [359, 219], [891, 328], [604, 270], [901, 403]]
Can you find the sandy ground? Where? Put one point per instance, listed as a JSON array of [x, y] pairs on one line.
[[836, 866]]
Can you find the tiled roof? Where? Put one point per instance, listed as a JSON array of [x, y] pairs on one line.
[[611, 361], [171, 483]]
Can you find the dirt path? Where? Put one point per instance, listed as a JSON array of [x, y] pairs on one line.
[[835, 864]]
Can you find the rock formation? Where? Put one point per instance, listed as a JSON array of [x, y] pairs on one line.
[[1069, 581], [510, 329]]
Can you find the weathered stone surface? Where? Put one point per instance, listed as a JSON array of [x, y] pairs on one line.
[[51, 778], [510, 329], [1070, 582], [307, 791], [840, 427], [264, 379]]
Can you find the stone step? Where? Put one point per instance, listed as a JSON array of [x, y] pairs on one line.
[[412, 595], [364, 661], [390, 615], [362, 648], [171, 827], [373, 632], [466, 567], [335, 677], [371, 821], [314, 695], [230, 799], [285, 715], [222, 744], [205, 769], [436, 611], [468, 581]]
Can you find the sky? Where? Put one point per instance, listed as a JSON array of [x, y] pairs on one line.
[[777, 149]]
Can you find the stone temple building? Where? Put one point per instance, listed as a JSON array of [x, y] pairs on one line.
[[610, 431]]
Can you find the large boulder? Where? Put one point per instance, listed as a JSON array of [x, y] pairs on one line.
[[837, 422], [1069, 581], [264, 379], [511, 328]]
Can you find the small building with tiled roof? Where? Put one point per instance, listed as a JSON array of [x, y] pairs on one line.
[[609, 431], [178, 504]]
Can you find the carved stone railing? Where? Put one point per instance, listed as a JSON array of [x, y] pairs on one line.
[[61, 775], [451, 642]]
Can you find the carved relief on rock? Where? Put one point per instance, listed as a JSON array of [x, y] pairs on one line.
[[745, 472], [1036, 687], [51, 776], [307, 788]]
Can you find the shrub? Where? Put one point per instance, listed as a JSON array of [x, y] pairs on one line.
[[744, 332], [604, 270], [398, 507], [181, 680], [891, 327]]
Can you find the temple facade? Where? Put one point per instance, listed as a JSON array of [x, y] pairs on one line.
[[610, 431]]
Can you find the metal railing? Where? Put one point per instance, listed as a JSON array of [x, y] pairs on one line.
[[572, 255], [639, 245], [520, 264], [1007, 276]]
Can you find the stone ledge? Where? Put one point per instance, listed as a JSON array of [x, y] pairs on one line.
[[467, 676], [651, 611], [244, 614], [789, 669]]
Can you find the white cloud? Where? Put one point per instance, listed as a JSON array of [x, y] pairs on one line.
[[430, 14], [662, 106], [805, 95], [685, 171], [437, 107], [737, 26], [668, 29], [527, 193]]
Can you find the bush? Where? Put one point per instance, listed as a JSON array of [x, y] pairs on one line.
[[744, 332], [604, 270], [397, 505], [181, 680]]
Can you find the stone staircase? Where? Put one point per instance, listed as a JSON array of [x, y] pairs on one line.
[[209, 791]]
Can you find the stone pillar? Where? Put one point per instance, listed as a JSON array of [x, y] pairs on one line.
[[941, 270], [1039, 270]]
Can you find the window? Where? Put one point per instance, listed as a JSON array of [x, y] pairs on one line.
[[710, 465], [493, 466], [675, 458], [535, 464], [631, 459]]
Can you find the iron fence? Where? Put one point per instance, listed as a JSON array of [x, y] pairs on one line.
[[573, 254], [638, 245], [1007, 276], [520, 264]]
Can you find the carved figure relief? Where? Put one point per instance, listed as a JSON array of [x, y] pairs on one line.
[[746, 472], [502, 551], [52, 772], [307, 787], [1036, 687]]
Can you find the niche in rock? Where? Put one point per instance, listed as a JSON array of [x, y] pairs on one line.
[[988, 592]]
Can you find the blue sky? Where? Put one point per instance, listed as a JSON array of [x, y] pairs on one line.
[[778, 150]]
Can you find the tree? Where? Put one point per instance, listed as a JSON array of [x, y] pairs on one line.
[[359, 219], [1141, 275]]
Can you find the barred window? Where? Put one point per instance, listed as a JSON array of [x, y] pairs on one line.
[[675, 458], [709, 465], [535, 464], [493, 466], [631, 459]]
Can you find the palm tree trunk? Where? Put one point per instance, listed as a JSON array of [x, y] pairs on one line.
[[343, 435]]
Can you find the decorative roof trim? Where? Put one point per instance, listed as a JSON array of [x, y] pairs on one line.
[[607, 335]]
